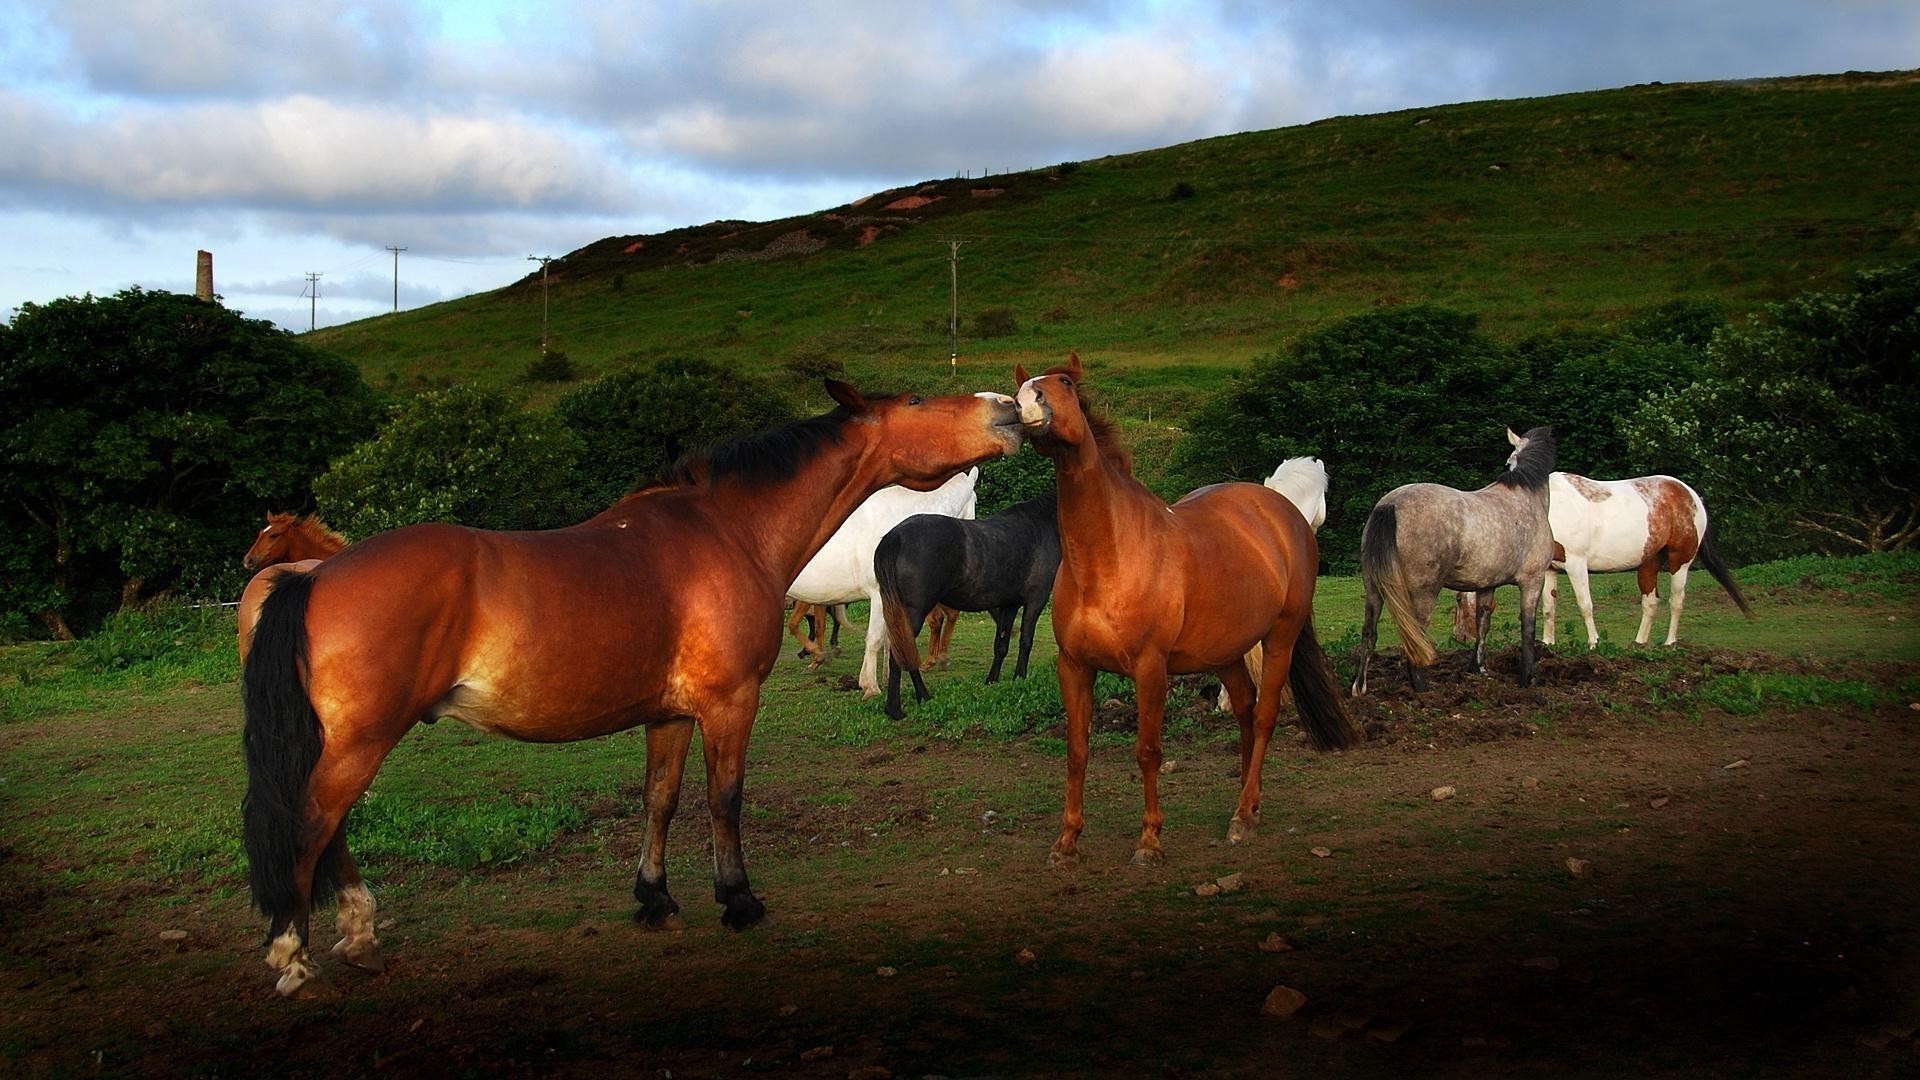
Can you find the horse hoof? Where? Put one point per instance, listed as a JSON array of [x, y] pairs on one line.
[[302, 981], [896, 714], [1148, 857], [743, 911], [666, 921], [364, 955], [1057, 859], [1238, 831]]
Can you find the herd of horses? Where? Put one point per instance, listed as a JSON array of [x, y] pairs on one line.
[[663, 612]]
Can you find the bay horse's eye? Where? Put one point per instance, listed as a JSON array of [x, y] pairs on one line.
[[914, 399]]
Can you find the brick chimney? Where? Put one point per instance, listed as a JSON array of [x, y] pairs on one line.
[[203, 277]]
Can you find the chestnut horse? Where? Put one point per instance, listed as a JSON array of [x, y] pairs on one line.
[[287, 545], [1149, 590], [662, 611]]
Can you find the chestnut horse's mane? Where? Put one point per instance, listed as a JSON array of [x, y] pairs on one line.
[[1106, 434], [760, 458], [315, 529]]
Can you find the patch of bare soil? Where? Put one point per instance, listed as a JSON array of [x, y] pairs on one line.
[[1616, 884]]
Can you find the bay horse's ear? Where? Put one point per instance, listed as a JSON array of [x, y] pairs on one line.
[[846, 395], [1514, 439], [1073, 364], [1019, 374]]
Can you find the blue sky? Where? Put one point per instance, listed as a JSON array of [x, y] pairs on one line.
[[297, 138]]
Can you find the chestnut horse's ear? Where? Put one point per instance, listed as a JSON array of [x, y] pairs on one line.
[[1019, 374], [846, 395], [1514, 439], [1073, 364]]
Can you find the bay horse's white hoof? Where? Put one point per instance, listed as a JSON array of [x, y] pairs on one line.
[[301, 980], [363, 953]]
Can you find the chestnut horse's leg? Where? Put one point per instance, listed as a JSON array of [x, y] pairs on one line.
[[1150, 694], [1277, 664], [1002, 635], [795, 622], [667, 743], [1076, 695], [723, 738]]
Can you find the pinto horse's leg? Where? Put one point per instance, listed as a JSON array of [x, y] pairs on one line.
[[876, 648], [1676, 598], [1649, 595], [1150, 693], [723, 738], [1002, 635], [1277, 665], [1482, 623], [667, 743], [1369, 630], [1076, 696], [1582, 598]]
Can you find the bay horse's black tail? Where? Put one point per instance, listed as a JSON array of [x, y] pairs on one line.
[[1380, 562], [1710, 558], [901, 640], [282, 739], [1322, 712]]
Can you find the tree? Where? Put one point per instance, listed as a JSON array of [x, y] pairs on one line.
[[1802, 424], [637, 421], [462, 455], [1391, 397], [1587, 384], [141, 435]]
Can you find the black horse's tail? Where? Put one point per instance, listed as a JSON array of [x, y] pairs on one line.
[[1710, 558], [282, 740], [901, 640], [1322, 712], [1380, 562]]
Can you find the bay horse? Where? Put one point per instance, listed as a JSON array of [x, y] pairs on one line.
[[1004, 564], [1421, 538], [842, 570], [1149, 590], [288, 545], [662, 611], [1645, 524]]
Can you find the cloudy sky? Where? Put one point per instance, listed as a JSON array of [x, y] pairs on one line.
[[307, 137]]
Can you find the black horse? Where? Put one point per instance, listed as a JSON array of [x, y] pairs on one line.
[[998, 564]]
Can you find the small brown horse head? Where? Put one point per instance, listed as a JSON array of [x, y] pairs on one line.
[[1055, 412], [288, 538], [928, 435]]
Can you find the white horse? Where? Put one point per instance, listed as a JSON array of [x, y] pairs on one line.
[[842, 572], [1303, 480], [1643, 524]]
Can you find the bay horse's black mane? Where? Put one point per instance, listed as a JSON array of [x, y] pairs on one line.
[[760, 458], [1535, 463]]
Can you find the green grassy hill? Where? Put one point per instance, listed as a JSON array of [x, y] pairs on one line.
[[1173, 267]]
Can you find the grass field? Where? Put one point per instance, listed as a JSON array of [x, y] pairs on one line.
[[1753, 919]]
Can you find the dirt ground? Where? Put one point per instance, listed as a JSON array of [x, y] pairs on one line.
[[1619, 883]]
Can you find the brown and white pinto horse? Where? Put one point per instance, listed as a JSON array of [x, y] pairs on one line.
[[1149, 590], [662, 611], [288, 545], [1646, 524]]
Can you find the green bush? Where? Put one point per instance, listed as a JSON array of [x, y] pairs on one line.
[[1008, 480], [995, 322], [463, 455], [550, 367]]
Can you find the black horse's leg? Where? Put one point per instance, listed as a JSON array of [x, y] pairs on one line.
[[915, 619], [1002, 633], [1029, 621]]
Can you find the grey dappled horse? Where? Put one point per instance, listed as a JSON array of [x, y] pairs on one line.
[[1421, 538]]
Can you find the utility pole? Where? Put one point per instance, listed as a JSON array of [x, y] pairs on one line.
[[396, 277], [543, 260], [313, 299], [953, 309]]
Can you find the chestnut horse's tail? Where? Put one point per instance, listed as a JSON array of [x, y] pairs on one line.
[[901, 640], [1322, 712], [1709, 556], [1380, 562], [282, 740]]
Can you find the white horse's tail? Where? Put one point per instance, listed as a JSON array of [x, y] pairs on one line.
[[1303, 480]]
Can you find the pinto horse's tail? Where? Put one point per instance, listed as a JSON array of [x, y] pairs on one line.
[[1380, 562], [1321, 712], [1709, 556], [282, 740], [901, 640]]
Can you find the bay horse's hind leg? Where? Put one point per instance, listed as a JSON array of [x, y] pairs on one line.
[[354, 912], [667, 743], [723, 738], [1277, 665], [338, 780]]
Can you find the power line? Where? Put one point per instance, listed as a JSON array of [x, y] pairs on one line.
[[953, 304], [313, 298], [396, 277]]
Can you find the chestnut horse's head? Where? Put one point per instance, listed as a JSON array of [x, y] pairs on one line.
[[273, 543], [929, 439], [1050, 403]]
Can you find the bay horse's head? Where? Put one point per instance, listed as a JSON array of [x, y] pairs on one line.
[[929, 439], [273, 543]]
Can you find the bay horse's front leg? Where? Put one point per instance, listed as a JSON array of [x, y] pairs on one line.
[[1276, 665], [667, 744], [723, 736], [1076, 695], [1150, 695]]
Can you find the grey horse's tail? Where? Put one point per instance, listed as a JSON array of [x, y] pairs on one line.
[[1380, 562], [1710, 558]]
